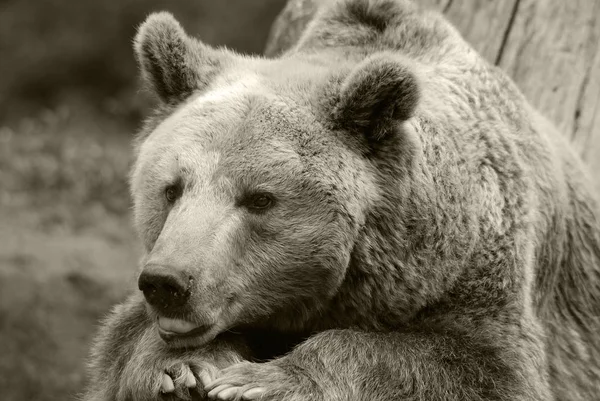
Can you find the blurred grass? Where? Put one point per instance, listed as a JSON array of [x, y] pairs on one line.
[[68, 107], [52, 160], [67, 250]]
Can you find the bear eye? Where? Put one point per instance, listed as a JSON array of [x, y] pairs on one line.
[[172, 193], [259, 202]]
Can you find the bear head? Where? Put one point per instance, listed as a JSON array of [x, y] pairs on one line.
[[253, 181]]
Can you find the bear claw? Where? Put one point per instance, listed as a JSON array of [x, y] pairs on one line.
[[167, 385], [178, 379], [249, 381], [227, 392], [253, 393]]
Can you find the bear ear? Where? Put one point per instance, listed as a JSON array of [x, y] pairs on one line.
[[172, 63], [379, 93]]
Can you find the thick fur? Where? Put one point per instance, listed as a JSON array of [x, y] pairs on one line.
[[173, 65], [433, 237], [375, 96]]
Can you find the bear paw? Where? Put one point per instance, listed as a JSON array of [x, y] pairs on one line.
[[251, 381], [180, 378]]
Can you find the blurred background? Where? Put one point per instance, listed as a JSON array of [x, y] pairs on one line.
[[69, 105]]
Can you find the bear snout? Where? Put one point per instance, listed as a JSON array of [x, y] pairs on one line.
[[165, 288]]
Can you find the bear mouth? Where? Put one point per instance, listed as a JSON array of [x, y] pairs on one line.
[[172, 329]]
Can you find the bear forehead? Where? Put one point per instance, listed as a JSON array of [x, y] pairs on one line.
[[242, 123], [281, 90], [260, 126], [203, 118]]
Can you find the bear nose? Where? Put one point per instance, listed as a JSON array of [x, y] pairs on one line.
[[164, 287]]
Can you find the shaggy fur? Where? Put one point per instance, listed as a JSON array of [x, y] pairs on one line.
[[432, 237]]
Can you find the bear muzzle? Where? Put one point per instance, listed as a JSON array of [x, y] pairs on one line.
[[167, 289]]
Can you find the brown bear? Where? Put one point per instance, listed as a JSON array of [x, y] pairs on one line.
[[377, 214]]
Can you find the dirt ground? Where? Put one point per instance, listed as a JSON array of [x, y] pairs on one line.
[[69, 105]]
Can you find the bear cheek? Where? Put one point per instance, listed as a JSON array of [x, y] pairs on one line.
[[297, 265]]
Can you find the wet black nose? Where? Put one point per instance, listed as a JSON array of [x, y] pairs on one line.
[[164, 287]]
